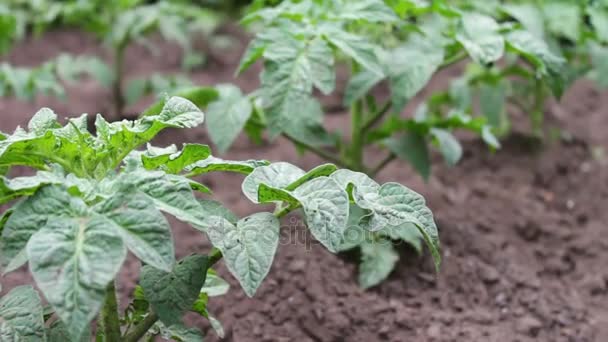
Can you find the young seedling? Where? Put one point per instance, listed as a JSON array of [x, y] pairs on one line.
[[92, 198]]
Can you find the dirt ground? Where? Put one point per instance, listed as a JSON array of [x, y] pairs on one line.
[[523, 230]]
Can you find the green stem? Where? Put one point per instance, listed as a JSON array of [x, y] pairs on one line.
[[281, 213], [374, 119], [453, 60], [320, 152], [539, 107], [356, 148], [117, 94], [214, 256], [142, 328], [109, 314]]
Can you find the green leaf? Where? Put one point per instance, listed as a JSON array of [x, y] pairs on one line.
[[72, 259], [215, 208], [199, 96], [480, 36], [268, 194], [322, 66], [599, 20], [378, 259], [348, 179], [276, 175], [529, 16], [537, 52], [409, 69], [21, 316], [28, 217], [248, 247], [413, 148], [406, 232], [38, 150], [25, 186], [173, 161], [394, 204], [120, 138], [354, 46], [254, 51], [489, 138], [227, 116], [325, 206], [563, 18], [42, 121], [144, 230], [216, 325], [448, 145], [291, 70], [169, 193], [216, 164], [367, 10], [173, 293], [354, 235], [359, 85], [215, 285]]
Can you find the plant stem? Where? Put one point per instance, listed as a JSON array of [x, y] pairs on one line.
[[142, 328], [285, 211], [318, 151], [453, 60], [374, 119], [214, 256], [109, 314], [382, 164], [117, 94], [539, 106], [356, 148]]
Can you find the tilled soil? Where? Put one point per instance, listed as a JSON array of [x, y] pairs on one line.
[[523, 230]]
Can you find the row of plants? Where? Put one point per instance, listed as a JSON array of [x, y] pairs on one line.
[[117, 24], [94, 197], [507, 63]]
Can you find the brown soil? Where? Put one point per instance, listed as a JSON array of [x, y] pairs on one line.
[[523, 231]]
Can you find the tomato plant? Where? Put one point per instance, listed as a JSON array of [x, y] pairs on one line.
[[92, 198]]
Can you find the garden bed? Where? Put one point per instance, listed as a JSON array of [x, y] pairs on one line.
[[523, 231]]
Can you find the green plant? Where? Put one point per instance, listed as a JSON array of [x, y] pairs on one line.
[[576, 30], [400, 45], [92, 198], [118, 24], [27, 82]]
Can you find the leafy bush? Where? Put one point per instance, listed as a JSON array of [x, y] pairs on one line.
[[92, 198]]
